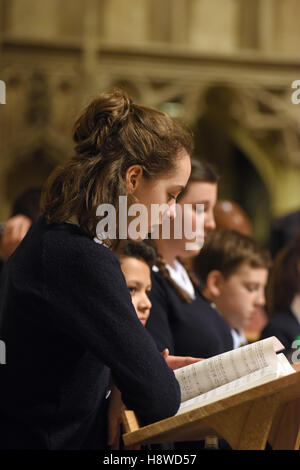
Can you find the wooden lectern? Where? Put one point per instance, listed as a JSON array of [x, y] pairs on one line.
[[269, 412]]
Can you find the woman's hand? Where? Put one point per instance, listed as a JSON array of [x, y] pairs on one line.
[[175, 362]]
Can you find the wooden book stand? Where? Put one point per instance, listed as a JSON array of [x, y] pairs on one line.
[[269, 412]]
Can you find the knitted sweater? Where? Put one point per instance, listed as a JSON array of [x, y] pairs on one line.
[[66, 319], [186, 329]]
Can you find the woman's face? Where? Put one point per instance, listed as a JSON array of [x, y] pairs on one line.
[[198, 193], [162, 191], [138, 279]]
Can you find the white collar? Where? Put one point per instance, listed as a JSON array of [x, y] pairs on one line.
[[179, 275], [295, 307], [238, 338]]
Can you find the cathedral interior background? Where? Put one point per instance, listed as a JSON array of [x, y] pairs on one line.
[[225, 67]]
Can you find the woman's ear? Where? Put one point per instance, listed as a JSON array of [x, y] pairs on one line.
[[133, 177], [214, 283]]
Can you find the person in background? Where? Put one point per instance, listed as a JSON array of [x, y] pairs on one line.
[[233, 270], [230, 216], [136, 260], [181, 319], [283, 298], [283, 230], [25, 211]]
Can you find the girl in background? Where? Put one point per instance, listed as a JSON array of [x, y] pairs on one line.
[[137, 259], [181, 319]]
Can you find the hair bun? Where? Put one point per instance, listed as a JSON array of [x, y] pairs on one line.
[[102, 117]]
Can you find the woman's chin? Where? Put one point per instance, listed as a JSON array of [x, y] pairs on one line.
[[137, 239]]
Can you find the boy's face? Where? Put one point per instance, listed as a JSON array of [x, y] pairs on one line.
[[241, 295], [138, 280]]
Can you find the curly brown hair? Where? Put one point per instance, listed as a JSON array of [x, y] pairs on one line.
[[111, 135]]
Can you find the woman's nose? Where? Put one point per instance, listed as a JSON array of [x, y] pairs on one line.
[[172, 211], [145, 303], [261, 299], [209, 222]]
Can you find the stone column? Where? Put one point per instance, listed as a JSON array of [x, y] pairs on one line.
[[126, 22], [213, 25], [33, 19], [90, 47], [265, 24]]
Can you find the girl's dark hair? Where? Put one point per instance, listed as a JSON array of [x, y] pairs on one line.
[[138, 250], [111, 135], [285, 278], [225, 251], [201, 171]]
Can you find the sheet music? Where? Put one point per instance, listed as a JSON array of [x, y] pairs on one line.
[[211, 373], [246, 382]]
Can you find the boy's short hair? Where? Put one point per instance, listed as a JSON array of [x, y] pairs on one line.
[[138, 250], [226, 250]]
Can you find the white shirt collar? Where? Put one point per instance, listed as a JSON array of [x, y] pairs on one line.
[[180, 276], [295, 307], [238, 338]]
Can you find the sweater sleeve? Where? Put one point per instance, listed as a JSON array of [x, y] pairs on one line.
[[158, 323], [88, 299]]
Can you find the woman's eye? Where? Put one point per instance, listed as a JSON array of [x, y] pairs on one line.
[[171, 196], [251, 288], [132, 290], [148, 292]]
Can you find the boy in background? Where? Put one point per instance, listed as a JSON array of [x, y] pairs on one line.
[[233, 270]]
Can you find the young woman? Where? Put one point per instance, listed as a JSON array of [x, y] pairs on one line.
[[181, 320], [67, 315], [284, 299]]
